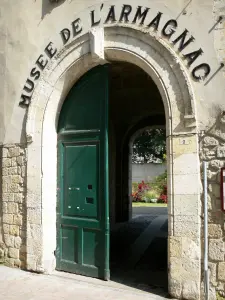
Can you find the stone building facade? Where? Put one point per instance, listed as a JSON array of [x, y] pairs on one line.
[[46, 47]]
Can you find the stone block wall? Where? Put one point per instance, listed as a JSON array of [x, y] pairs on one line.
[[13, 206], [212, 147]]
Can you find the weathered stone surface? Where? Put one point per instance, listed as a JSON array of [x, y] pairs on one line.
[[14, 188], [34, 216], [9, 240], [12, 208], [6, 163], [6, 180], [2, 253], [212, 273], [221, 271], [212, 293], [220, 286], [191, 290], [13, 253], [207, 154], [5, 228], [4, 208], [214, 188], [210, 141], [184, 269], [18, 242], [20, 161], [4, 152], [18, 220], [8, 218], [12, 171], [8, 197], [212, 176], [9, 262], [4, 188], [18, 197], [14, 230], [215, 231], [175, 288], [221, 152], [209, 202], [216, 249], [23, 171], [190, 249], [16, 179], [13, 152], [4, 172], [13, 162], [216, 164], [17, 263], [175, 246]]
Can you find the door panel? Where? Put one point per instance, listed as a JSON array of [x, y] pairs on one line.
[[82, 210], [69, 240], [81, 179]]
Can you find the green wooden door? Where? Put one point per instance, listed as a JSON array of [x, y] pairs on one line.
[[82, 210]]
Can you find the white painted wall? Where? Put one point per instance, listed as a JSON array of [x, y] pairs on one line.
[[26, 28], [146, 172]]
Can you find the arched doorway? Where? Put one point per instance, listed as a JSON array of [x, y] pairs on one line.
[[99, 115], [156, 59]]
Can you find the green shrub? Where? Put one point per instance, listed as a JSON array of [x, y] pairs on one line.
[[134, 186], [149, 195], [156, 189], [159, 182]]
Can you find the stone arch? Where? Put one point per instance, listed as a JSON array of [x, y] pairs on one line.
[[165, 68]]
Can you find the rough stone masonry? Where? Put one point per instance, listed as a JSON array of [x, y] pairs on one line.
[[13, 193]]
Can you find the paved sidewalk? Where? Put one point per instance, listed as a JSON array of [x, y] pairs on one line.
[[20, 285]]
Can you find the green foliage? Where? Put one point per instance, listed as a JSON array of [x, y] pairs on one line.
[[146, 191], [150, 146], [159, 182], [134, 186], [149, 195]]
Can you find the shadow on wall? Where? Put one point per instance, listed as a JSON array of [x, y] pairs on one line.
[[49, 5]]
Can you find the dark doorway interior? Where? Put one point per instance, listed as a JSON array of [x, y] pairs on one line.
[[138, 237]]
